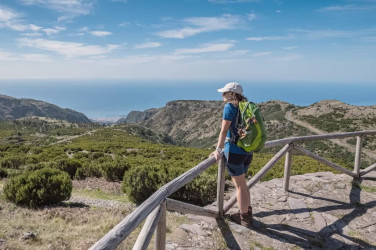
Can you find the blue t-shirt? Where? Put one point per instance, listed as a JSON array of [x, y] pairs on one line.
[[229, 113]]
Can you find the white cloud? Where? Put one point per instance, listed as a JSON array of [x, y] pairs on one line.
[[251, 16], [287, 58], [10, 19], [84, 29], [124, 24], [289, 48], [232, 1], [5, 56], [7, 15], [69, 8], [265, 53], [81, 7], [100, 33], [148, 45], [267, 38], [198, 25], [209, 48], [349, 7], [52, 31], [34, 27], [319, 34], [68, 49]]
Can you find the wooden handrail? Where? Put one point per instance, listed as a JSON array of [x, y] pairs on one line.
[[281, 142], [154, 203], [114, 237]]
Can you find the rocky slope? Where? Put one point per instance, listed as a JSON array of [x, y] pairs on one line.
[[320, 211], [197, 123], [12, 108]]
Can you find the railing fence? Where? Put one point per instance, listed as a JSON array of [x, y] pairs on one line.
[[154, 208]]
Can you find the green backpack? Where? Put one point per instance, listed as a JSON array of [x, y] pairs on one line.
[[251, 128]]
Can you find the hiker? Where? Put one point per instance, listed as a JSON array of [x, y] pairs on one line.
[[238, 160]]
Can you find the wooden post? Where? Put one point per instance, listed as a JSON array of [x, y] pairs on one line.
[[160, 233], [367, 170], [358, 155], [147, 230], [114, 237], [286, 177], [186, 208], [324, 161], [221, 186]]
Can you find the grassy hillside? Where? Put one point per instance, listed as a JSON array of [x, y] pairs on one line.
[[95, 150]]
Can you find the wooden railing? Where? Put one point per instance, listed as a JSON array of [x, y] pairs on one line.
[[154, 208]]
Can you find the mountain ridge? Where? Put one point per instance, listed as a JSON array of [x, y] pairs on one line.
[[197, 123], [15, 108]]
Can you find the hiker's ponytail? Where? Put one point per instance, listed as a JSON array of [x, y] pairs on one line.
[[240, 97]]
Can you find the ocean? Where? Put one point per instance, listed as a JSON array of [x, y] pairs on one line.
[[113, 99]]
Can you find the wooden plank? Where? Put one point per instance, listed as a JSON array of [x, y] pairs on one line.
[[259, 175], [221, 186], [286, 176], [147, 230], [358, 155], [367, 170], [285, 141], [116, 235], [160, 233], [185, 208], [324, 161]]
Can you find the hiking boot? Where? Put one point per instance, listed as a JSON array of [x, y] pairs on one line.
[[242, 219], [250, 213]]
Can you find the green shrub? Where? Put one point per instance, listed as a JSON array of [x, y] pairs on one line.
[[200, 191], [141, 182], [68, 165], [114, 171], [39, 188], [14, 162], [33, 167], [3, 173], [88, 170]]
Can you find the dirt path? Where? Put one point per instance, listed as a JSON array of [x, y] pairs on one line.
[[69, 138], [340, 142]]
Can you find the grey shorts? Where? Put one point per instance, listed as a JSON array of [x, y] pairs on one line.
[[238, 164]]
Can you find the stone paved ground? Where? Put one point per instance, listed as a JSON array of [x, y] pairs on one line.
[[320, 211]]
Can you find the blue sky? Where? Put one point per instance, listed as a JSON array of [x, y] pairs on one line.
[[280, 40]]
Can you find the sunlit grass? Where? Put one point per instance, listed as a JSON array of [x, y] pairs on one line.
[[99, 194]]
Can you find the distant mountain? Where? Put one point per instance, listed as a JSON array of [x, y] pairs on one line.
[[138, 116], [197, 123], [12, 108]]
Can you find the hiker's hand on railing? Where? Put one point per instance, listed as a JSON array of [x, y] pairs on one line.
[[217, 155]]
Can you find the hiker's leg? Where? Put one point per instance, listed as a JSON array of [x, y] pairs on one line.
[[242, 192]]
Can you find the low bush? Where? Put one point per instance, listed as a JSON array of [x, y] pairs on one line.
[[114, 170], [88, 170], [38, 188], [67, 165], [3, 173], [140, 183], [14, 162]]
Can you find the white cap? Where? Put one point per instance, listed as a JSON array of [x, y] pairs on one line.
[[232, 87]]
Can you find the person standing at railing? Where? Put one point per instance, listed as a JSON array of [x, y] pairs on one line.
[[238, 160]]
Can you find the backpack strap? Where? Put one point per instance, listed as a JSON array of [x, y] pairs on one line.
[[234, 138]]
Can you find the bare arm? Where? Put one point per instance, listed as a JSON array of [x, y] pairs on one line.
[[221, 139]]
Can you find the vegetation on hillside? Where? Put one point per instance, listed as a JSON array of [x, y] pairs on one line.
[[140, 158]]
